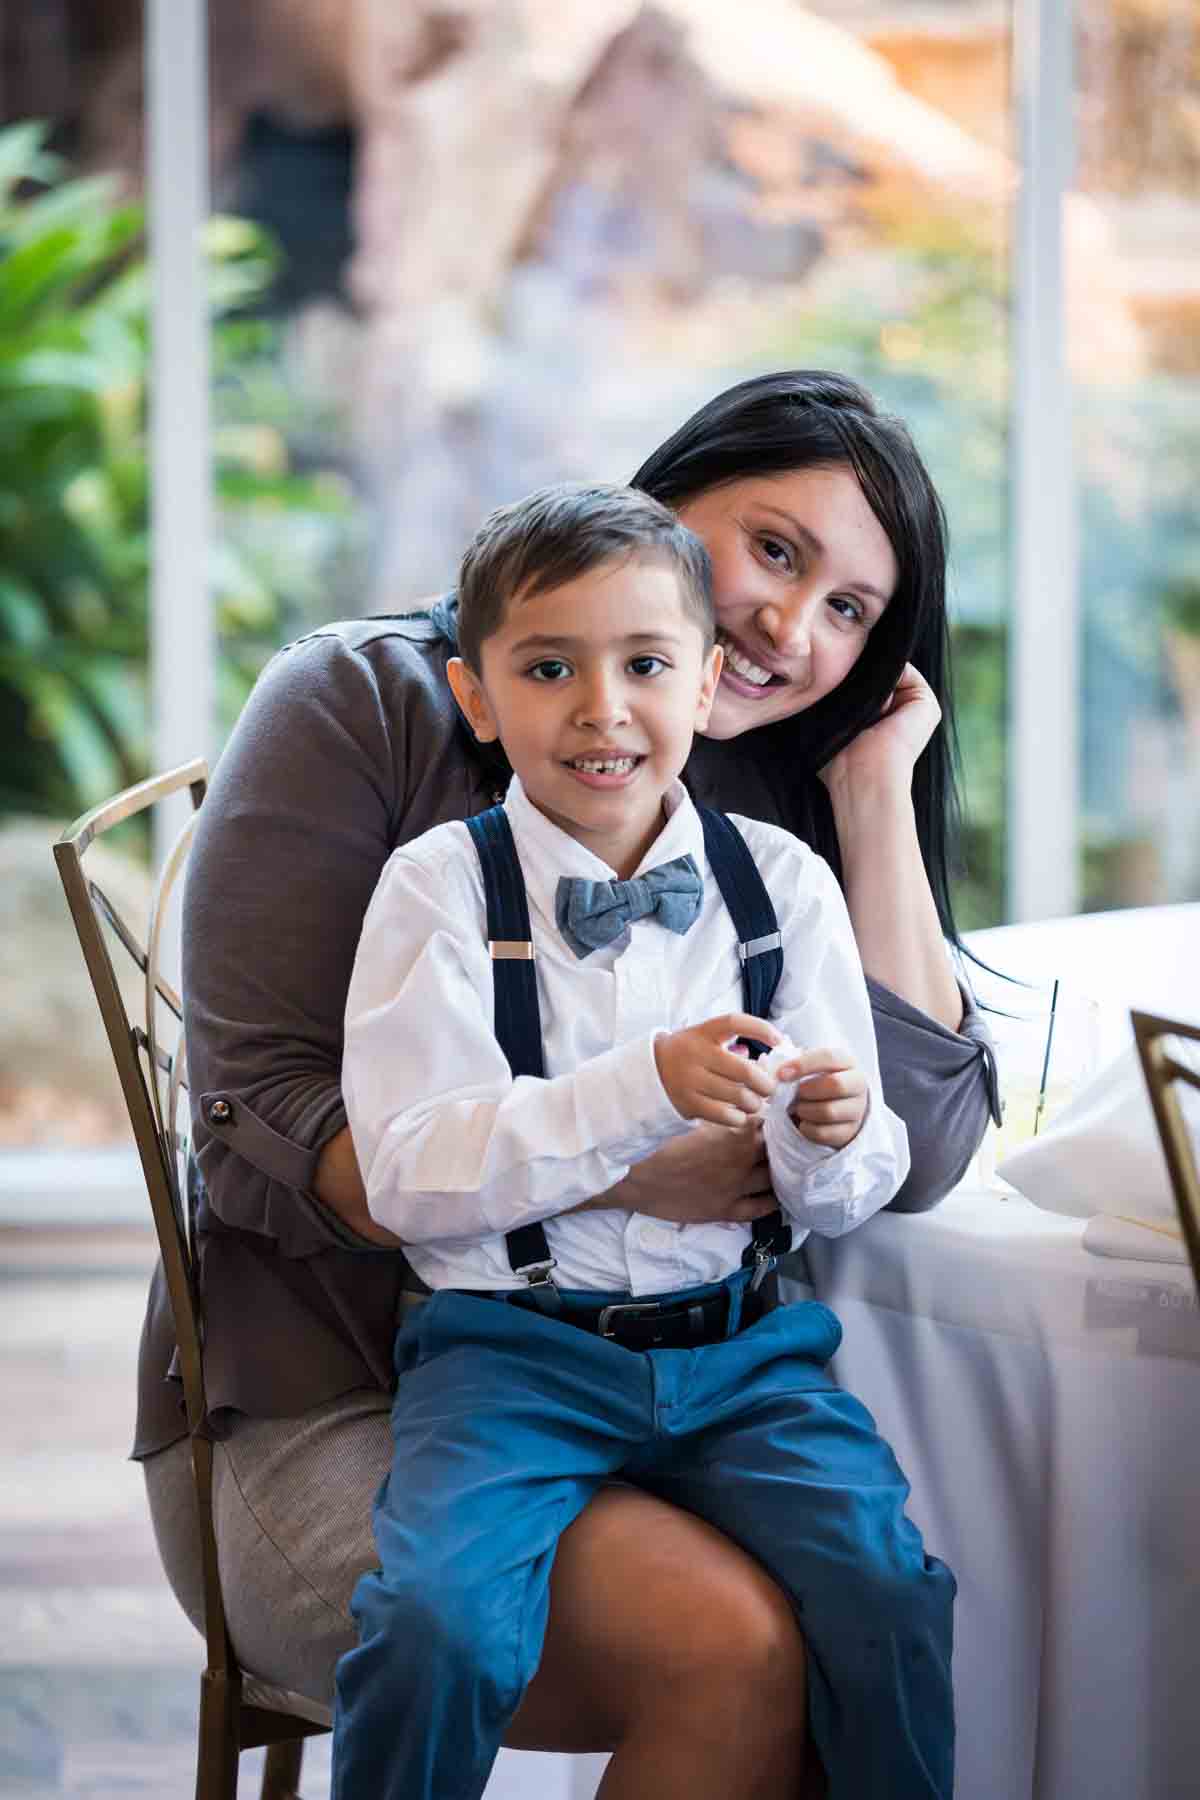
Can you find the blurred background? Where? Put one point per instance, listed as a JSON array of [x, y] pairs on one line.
[[454, 248]]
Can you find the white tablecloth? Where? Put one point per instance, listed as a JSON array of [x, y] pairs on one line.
[[1045, 1405]]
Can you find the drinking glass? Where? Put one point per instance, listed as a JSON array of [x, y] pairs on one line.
[[1047, 1048]]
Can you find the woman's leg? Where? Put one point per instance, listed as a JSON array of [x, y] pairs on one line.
[[666, 1644], [672, 1648]]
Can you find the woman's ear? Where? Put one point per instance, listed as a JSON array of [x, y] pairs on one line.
[[713, 664], [467, 689]]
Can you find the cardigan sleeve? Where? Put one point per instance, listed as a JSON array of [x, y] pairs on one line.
[[942, 1083], [303, 811]]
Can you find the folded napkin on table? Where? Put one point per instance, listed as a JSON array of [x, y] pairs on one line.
[[1102, 1156], [1135, 1239]]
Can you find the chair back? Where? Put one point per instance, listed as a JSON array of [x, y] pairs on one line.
[[1170, 1058], [150, 1060], [238, 1710]]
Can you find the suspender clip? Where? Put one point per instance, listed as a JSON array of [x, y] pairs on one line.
[[763, 1262], [538, 1274]]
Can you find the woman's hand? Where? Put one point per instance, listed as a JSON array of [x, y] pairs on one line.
[[712, 1176], [831, 1103], [892, 745]]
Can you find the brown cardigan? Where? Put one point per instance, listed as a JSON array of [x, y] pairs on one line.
[[349, 746]]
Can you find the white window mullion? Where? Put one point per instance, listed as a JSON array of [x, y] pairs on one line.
[[182, 628], [1044, 661]]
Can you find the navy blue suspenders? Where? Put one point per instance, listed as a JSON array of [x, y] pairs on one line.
[[518, 1020]]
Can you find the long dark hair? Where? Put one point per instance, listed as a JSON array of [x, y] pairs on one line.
[[803, 419]]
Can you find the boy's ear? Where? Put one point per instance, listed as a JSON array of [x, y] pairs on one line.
[[467, 689], [713, 663]]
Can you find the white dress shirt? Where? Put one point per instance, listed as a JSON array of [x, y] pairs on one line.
[[454, 1152]]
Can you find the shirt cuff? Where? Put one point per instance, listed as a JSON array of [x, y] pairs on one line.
[[622, 1107], [831, 1191]]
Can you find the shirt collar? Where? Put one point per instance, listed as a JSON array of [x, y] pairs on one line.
[[547, 851]]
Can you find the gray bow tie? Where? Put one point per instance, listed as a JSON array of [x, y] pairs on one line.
[[592, 913]]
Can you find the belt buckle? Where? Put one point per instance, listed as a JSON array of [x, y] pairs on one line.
[[639, 1309]]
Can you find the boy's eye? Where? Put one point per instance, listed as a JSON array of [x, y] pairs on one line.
[[647, 665], [551, 668]]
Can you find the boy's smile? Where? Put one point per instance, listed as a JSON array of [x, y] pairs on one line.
[[595, 689]]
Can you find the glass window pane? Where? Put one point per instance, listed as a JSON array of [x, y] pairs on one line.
[[1133, 247], [911, 293], [522, 246], [72, 568]]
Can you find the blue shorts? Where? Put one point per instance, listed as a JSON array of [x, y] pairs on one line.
[[507, 1420]]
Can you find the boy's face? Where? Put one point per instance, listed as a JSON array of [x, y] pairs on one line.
[[595, 689]]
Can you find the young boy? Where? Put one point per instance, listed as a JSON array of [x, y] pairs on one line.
[[543, 997]]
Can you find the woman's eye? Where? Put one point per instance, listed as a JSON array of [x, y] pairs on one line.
[[549, 669], [851, 610], [647, 665], [776, 552]]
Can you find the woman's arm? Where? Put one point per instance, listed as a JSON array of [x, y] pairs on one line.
[[891, 904], [291, 838], [935, 1053], [713, 1175]]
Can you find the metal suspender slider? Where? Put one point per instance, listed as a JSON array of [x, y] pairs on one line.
[[760, 946]]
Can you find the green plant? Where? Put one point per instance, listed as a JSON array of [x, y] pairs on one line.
[[1181, 606], [74, 481]]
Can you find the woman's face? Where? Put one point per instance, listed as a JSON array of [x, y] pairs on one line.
[[802, 570]]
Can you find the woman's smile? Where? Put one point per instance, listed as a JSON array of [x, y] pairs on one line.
[[742, 673]]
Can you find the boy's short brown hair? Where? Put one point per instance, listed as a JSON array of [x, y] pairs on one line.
[[561, 532]]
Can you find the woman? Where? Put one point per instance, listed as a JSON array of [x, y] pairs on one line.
[[666, 1643]]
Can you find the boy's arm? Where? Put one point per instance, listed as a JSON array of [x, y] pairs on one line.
[[450, 1146], [822, 1003]]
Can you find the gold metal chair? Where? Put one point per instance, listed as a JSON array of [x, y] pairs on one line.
[[237, 1711], [1166, 1064]]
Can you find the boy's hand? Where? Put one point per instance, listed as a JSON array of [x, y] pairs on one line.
[[832, 1103], [705, 1080]]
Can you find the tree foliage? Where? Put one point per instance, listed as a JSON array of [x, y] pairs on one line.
[[74, 480]]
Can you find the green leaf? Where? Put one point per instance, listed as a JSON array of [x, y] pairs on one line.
[[34, 270], [22, 614], [22, 156], [83, 208], [245, 601]]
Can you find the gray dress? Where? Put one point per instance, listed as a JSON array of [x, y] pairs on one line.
[[349, 746]]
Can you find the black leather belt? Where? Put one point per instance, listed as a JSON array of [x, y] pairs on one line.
[[646, 1324]]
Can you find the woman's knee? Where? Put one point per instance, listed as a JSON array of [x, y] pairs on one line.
[[171, 1495], [743, 1646], [681, 1614]]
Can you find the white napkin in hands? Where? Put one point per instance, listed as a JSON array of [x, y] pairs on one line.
[[1101, 1157]]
